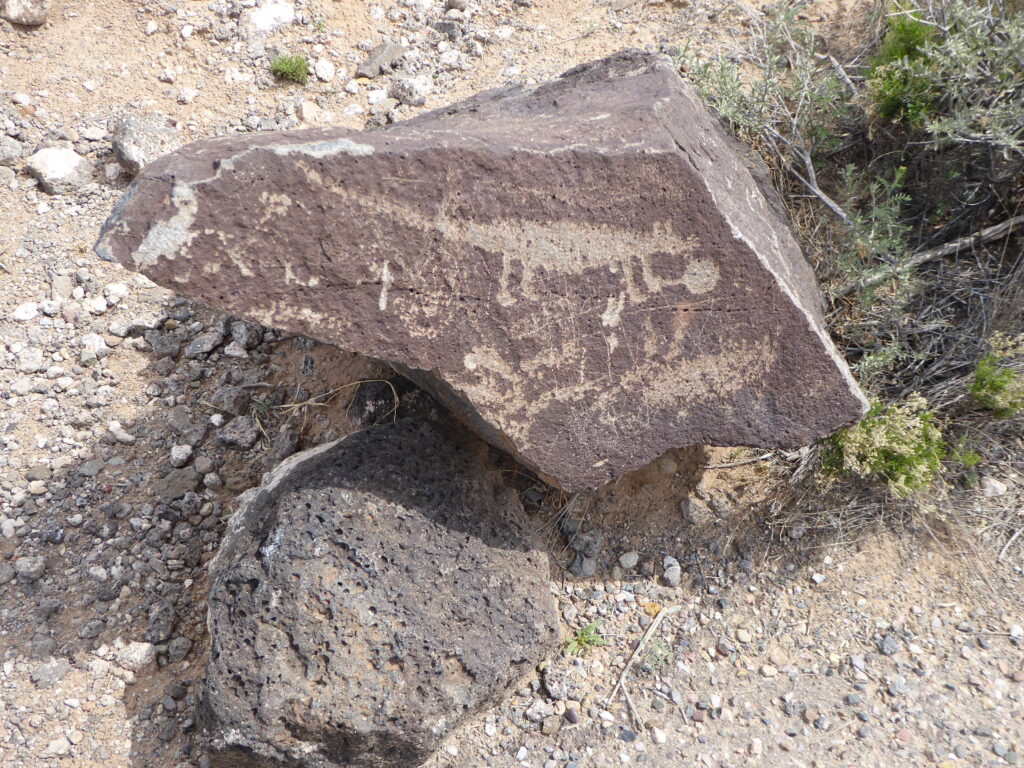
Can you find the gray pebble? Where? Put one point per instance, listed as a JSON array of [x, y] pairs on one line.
[[161, 622], [178, 648], [91, 629], [888, 645], [30, 568], [673, 574], [241, 432]]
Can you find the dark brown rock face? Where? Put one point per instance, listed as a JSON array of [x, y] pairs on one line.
[[369, 597], [585, 270]]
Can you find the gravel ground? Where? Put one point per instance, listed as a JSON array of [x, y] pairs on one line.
[[131, 418]]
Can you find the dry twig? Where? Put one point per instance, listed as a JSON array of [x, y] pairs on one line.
[[662, 615], [922, 257]]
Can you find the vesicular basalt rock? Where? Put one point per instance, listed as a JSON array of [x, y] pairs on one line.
[[586, 270], [370, 596]]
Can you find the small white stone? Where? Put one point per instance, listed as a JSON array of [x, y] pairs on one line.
[[115, 292], [310, 112], [990, 487], [180, 454], [119, 433], [187, 95], [58, 747], [25, 312], [270, 16], [30, 360], [324, 70], [538, 711], [94, 343], [187, 30], [234, 349], [135, 657], [97, 305], [58, 169], [151, 28], [31, 13], [628, 560], [658, 736]]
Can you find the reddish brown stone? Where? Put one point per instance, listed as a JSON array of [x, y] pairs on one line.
[[586, 270]]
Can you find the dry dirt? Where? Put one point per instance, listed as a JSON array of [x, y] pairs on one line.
[[793, 645]]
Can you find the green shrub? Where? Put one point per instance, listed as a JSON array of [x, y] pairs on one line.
[[898, 78], [905, 38], [292, 68], [874, 226], [957, 74], [898, 443], [996, 385], [798, 97], [964, 456], [902, 91]]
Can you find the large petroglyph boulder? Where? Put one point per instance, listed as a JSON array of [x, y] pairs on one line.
[[369, 597], [585, 270]]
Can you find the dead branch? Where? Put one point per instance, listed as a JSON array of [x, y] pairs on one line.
[[740, 463], [662, 615], [922, 257]]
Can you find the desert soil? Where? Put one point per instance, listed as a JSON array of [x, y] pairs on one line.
[[783, 642]]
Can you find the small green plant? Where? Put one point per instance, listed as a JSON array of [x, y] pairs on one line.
[[899, 443], [964, 456], [898, 76], [658, 657], [874, 226], [584, 639], [320, 25], [902, 91], [996, 384], [293, 68], [905, 38]]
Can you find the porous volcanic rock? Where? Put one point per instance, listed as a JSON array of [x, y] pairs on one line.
[[370, 596], [586, 270]]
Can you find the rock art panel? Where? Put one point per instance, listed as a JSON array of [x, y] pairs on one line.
[[371, 595], [585, 270]]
